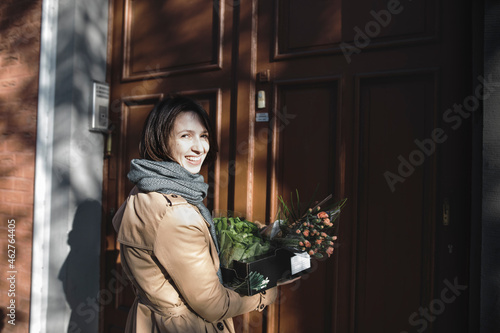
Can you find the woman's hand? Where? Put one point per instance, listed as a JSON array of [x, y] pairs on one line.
[[265, 230], [259, 225], [272, 230]]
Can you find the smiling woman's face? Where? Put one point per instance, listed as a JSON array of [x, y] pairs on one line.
[[188, 143]]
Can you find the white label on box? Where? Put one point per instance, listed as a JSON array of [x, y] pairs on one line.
[[300, 262]]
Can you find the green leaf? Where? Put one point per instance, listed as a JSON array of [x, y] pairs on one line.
[[237, 251], [238, 239], [251, 250]]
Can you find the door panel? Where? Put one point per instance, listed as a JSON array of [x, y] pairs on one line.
[[300, 27], [152, 30], [134, 113], [381, 23], [395, 221], [305, 152]]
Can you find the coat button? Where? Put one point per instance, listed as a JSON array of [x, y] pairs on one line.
[[263, 292], [262, 306], [174, 195], [220, 326]]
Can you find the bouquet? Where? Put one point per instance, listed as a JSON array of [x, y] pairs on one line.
[[313, 231]]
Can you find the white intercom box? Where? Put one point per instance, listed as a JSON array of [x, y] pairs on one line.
[[100, 107]]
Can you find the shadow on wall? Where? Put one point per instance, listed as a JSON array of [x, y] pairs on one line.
[[82, 262]]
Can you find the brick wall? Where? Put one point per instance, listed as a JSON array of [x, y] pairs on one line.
[[19, 63]]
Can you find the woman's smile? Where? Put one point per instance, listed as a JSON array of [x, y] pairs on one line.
[[195, 160]]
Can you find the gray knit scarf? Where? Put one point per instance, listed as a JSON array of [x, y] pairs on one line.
[[171, 178]]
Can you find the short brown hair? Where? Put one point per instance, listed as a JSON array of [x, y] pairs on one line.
[[155, 136]]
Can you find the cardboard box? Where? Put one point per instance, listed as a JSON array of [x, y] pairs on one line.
[[283, 264]]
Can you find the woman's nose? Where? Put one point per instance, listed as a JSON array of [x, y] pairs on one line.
[[197, 145]]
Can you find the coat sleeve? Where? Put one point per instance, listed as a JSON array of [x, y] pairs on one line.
[[181, 248]]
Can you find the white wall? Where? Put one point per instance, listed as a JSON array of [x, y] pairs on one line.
[[69, 168]]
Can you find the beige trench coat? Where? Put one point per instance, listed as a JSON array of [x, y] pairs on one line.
[[169, 255]]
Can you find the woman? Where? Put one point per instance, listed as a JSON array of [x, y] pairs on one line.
[[168, 245]]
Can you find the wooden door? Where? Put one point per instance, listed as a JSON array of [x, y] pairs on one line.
[[359, 92], [356, 94], [160, 48]]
